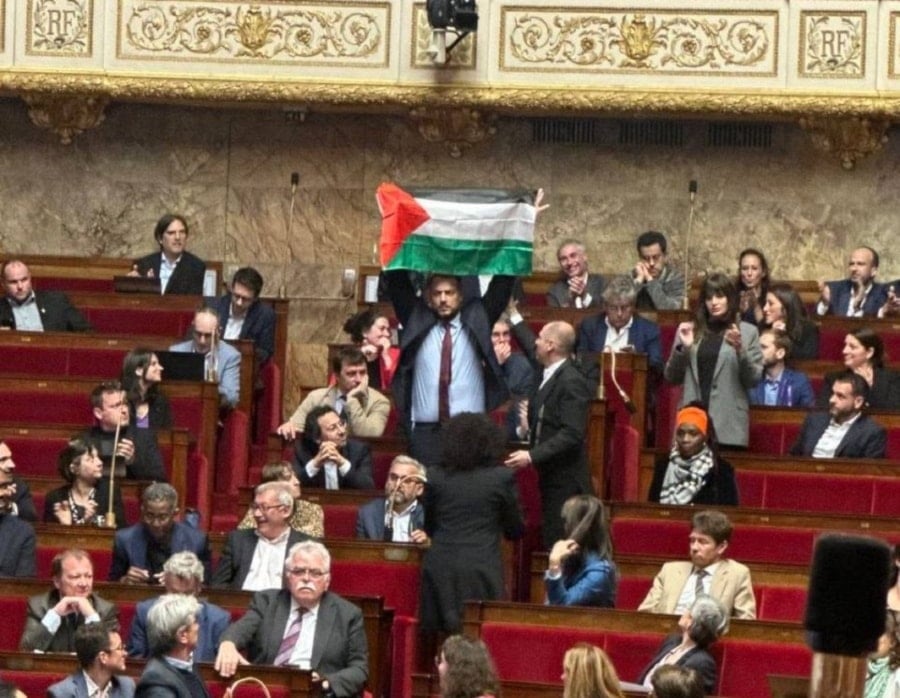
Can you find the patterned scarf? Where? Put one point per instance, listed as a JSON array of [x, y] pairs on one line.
[[685, 477]]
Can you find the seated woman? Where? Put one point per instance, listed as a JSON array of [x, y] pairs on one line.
[[580, 572], [670, 681], [864, 354], [141, 376], [693, 473], [84, 500], [372, 333], [752, 284], [783, 310], [308, 518], [700, 626], [588, 673], [883, 674], [893, 595], [465, 669]]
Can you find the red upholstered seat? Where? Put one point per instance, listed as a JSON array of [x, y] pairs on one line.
[[631, 652], [767, 438], [340, 520], [751, 488], [34, 683], [744, 666], [12, 610], [781, 603], [770, 544], [532, 653], [650, 537], [631, 592], [820, 493], [624, 457], [102, 560], [397, 583], [886, 497]]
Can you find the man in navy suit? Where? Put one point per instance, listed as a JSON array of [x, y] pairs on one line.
[[326, 458], [28, 310], [858, 295], [182, 574], [140, 551], [101, 657], [619, 328], [399, 516], [178, 271], [242, 316], [779, 385], [844, 431]]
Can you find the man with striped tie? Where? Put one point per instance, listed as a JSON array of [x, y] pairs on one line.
[[302, 625]]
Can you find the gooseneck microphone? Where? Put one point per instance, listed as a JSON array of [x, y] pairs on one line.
[[692, 192]]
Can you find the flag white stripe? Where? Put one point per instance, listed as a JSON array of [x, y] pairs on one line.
[[461, 221]]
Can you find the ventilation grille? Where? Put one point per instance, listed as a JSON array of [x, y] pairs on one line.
[[566, 131], [666, 133], [737, 135]]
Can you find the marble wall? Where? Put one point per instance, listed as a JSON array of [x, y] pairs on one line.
[[229, 172]]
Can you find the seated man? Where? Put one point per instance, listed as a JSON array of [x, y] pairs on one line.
[[399, 516], [708, 572], [22, 503], [517, 372], [253, 558], [244, 317], [326, 458], [18, 554], [178, 271], [137, 454], [53, 618], [364, 409], [577, 288], [619, 328], [287, 627], [28, 310], [844, 431], [182, 574], [858, 295], [891, 307], [779, 385], [101, 658], [223, 361], [140, 551], [659, 285]]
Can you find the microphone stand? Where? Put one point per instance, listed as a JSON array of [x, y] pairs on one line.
[[629, 404], [692, 192], [110, 514]]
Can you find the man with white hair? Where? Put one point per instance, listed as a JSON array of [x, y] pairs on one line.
[[302, 625], [577, 287], [182, 574], [398, 516]]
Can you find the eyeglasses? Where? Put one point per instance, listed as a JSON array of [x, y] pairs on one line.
[[157, 518], [264, 508], [120, 648], [304, 571]]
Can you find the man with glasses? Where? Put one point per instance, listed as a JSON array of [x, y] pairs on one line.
[[101, 658], [302, 625], [253, 558], [326, 458], [243, 317], [398, 516], [140, 551], [223, 361]]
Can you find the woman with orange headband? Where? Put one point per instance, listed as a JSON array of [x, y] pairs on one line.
[[693, 473]]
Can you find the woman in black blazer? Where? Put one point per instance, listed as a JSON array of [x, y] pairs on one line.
[[864, 354]]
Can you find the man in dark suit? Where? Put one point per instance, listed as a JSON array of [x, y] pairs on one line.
[[424, 394], [399, 516], [178, 271], [253, 558], [858, 295], [25, 309], [557, 423], [140, 551], [844, 431], [302, 625], [577, 287], [101, 658], [326, 458], [779, 385], [18, 556], [182, 574], [22, 502], [242, 316], [619, 328]]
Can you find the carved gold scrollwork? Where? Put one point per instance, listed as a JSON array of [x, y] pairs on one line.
[[848, 139], [66, 115], [457, 129]]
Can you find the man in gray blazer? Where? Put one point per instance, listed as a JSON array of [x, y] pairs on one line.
[[399, 516], [302, 625], [101, 656], [577, 287]]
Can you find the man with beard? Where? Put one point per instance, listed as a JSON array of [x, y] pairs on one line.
[[779, 385], [326, 458], [400, 516], [859, 294]]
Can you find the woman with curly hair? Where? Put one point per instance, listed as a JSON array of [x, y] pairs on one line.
[[371, 332], [883, 676], [589, 673], [466, 670], [471, 500], [141, 376]]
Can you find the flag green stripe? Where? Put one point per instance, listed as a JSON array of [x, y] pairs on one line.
[[463, 257]]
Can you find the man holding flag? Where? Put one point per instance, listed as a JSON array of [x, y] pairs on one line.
[[447, 362]]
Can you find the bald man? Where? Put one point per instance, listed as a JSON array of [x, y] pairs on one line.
[[557, 421]]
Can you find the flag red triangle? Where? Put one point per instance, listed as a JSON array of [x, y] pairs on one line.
[[401, 215]]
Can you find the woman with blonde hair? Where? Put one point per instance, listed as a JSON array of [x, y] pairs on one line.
[[589, 673], [307, 518]]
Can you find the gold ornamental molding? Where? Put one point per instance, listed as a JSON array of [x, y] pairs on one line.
[[849, 140], [66, 116], [457, 129]]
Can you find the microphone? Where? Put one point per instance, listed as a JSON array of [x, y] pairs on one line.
[[692, 192], [845, 611], [692, 189], [295, 181]]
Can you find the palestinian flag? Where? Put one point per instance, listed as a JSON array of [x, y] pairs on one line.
[[456, 231]]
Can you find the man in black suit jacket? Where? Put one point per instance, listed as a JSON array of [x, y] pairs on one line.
[[335, 650], [22, 502], [242, 316], [326, 458], [858, 295], [18, 556], [23, 308], [267, 545], [557, 422], [844, 431], [183, 271], [458, 303]]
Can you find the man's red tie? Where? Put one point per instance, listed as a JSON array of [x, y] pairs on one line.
[[446, 374]]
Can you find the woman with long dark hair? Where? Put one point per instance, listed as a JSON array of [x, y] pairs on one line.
[[864, 355], [783, 310], [371, 332], [717, 359], [752, 284], [141, 376], [465, 669], [580, 571]]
